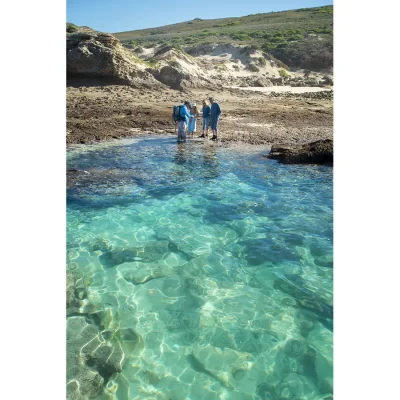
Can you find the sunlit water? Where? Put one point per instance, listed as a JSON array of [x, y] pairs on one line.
[[219, 260]]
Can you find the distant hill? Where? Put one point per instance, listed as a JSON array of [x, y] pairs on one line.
[[301, 38]]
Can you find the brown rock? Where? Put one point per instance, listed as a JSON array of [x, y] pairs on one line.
[[262, 82], [101, 55], [318, 152]]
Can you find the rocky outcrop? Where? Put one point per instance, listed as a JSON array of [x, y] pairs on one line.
[[327, 80], [101, 55], [171, 77], [319, 152], [277, 81], [178, 70], [254, 81], [201, 49], [261, 81], [177, 79]]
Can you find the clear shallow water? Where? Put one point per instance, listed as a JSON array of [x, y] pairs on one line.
[[219, 261]]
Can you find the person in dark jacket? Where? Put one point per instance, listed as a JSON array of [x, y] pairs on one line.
[[215, 113], [206, 118]]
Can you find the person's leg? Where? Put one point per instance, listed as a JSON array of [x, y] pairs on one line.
[[180, 133], [203, 127], [216, 128], [213, 128], [184, 130]]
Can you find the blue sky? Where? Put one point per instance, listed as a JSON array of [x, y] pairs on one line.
[[124, 15]]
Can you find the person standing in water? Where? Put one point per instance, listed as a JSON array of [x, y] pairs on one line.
[[215, 113], [183, 121], [206, 119], [192, 120]]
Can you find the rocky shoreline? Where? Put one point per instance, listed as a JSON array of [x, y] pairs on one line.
[[96, 113], [114, 92]]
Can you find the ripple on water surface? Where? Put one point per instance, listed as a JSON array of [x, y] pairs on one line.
[[211, 269]]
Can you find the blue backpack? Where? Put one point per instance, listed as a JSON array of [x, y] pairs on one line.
[[176, 114]]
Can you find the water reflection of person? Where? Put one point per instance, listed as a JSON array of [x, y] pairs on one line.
[[180, 157], [181, 173], [210, 161]]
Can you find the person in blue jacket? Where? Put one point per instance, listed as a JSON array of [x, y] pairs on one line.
[[215, 113], [183, 121]]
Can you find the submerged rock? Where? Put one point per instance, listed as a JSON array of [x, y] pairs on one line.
[[318, 152], [77, 292], [82, 381], [91, 361]]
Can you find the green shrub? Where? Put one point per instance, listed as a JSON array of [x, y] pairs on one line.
[[281, 64], [233, 23], [310, 53], [174, 63], [130, 44], [157, 33], [239, 36], [221, 67], [267, 47], [256, 34], [277, 39], [294, 37], [283, 73], [262, 62], [282, 45], [71, 27], [253, 68]]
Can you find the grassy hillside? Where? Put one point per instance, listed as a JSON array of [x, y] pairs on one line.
[[300, 38]]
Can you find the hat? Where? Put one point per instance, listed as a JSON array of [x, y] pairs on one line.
[[193, 104]]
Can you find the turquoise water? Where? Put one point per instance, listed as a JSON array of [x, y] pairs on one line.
[[218, 261]]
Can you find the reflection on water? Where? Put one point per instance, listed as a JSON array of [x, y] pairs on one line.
[[197, 272]]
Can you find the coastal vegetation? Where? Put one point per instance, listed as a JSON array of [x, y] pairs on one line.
[[299, 38]]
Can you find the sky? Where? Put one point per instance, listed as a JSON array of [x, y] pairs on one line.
[[124, 15]]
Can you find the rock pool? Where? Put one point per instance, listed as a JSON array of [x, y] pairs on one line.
[[197, 272]]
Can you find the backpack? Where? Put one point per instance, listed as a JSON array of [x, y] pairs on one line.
[[176, 113]]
